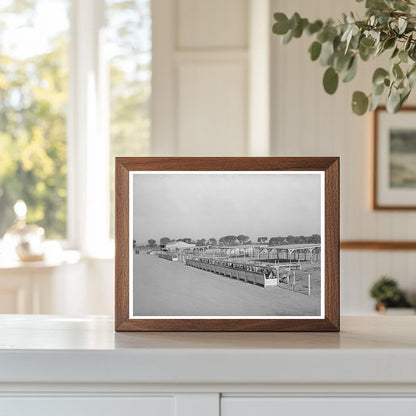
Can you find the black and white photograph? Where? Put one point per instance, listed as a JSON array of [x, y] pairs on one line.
[[226, 244]]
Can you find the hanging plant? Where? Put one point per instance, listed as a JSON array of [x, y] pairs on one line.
[[389, 27]]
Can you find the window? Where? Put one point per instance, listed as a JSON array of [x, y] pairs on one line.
[[129, 43], [33, 98], [75, 88]]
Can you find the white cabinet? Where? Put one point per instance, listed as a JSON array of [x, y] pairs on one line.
[[53, 365], [202, 405], [88, 406], [267, 406]]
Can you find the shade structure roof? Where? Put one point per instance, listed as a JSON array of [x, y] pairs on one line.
[[179, 244]]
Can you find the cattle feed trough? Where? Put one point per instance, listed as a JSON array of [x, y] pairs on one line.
[[168, 256], [255, 273]]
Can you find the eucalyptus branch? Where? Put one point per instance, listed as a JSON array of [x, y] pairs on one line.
[[388, 25]]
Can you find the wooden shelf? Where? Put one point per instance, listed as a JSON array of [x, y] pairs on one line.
[[378, 245]]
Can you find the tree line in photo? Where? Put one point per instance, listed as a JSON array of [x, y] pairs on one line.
[[233, 240]]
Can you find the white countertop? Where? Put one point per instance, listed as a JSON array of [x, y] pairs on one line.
[[53, 349]]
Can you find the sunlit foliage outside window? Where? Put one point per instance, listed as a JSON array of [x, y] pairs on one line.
[[34, 74], [33, 102], [129, 43]]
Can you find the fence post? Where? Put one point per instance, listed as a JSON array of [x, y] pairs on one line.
[[309, 284], [293, 280]]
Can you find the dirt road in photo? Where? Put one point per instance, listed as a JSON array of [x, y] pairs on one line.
[[167, 288]]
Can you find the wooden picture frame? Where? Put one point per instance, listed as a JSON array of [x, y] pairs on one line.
[[279, 169], [394, 184]]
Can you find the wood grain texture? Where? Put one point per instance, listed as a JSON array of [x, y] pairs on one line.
[[378, 245], [121, 244], [330, 165], [332, 226], [376, 204]]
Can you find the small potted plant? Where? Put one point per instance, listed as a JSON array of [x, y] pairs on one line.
[[387, 294]]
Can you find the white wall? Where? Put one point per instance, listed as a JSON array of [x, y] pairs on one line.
[[308, 122], [200, 77], [211, 95]]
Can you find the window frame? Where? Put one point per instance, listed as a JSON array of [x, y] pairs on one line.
[[88, 136], [88, 133]]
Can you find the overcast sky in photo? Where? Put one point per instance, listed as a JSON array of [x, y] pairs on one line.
[[215, 205]]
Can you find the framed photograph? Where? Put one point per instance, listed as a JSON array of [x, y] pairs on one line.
[[394, 159], [227, 244]]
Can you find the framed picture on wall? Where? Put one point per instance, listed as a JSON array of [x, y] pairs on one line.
[[394, 179], [227, 244]]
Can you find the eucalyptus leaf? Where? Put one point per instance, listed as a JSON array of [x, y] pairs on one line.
[[346, 34], [379, 50], [379, 75], [288, 37], [294, 20], [394, 25], [402, 22], [400, 5], [298, 30], [342, 62], [376, 36], [383, 18], [330, 80], [351, 32], [412, 52], [314, 27], [359, 103], [331, 33], [378, 89], [403, 56], [366, 53], [411, 78], [350, 73], [315, 50], [350, 18], [376, 4], [393, 101], [374, 102], [408, 42], [337, 44], [400, 85], [281, 27], [322, 36], [367, 42], [395, 52], [404, 96], [397, 71], [355, 41], [411, 71], [327, 53], [389, 43]]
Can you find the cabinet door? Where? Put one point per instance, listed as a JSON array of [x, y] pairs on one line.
[[87, 406], [273, 406]]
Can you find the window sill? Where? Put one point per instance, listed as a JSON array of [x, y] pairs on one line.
[[63, 258]]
